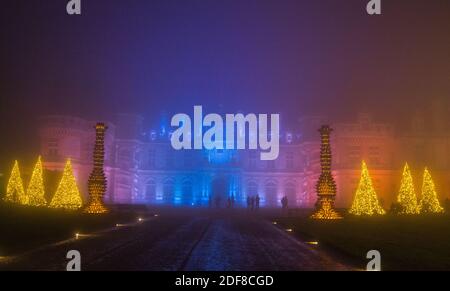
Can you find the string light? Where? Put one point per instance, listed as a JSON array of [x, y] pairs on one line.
[[366, 201], [407, 195], [97, 179], [35, 190], [15, 192], [326, 186], [67, 195], [429, 203]]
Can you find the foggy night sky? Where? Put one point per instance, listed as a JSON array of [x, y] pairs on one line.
[[260, 56]]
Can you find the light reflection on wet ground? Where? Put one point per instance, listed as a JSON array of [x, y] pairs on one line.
[[208, 240]]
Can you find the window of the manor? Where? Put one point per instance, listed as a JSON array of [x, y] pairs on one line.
[[289, 160], [271, 165], [52, 147], [252, 159], [169, 159], [187, 193], [188, 159], [291, 194], [151, 158], [271, 194], [252, 189], [169, 191], [374, 155], [125, 154], [374, 150], [150, 191], [354, 155]]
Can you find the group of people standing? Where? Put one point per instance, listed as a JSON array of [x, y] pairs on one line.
[[253, 202], [284, 203], [216, 201]]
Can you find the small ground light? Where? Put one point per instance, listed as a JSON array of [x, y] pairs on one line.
[[274, 222], [140, 219], [119, 225], [289, 229], [77, 236], [312, 242], [156, 215]]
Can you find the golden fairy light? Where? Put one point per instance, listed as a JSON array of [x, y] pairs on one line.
[[326, 186], [97, 179], [366, 200], [67, 195], [15, 192], [407, 196]]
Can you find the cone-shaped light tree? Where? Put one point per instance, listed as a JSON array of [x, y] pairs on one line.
[[35, 190], [407, 196], [429, 203], [366, 201], [15, 192], [67, 195]]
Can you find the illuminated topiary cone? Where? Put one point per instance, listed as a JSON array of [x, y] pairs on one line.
[[67, 195], [35, 190], [15, 192], [407, 196], [429, 203], [366, 201]]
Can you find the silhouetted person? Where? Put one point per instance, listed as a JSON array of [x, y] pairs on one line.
[[284, 203], [249, 202], [217, 200], [232, 201], [252, 203], [257, 201], [210, 202], [229, 202]]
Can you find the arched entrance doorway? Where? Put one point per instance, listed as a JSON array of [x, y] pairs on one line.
[[271, 194], [219, 192], [169, 192], [291, 195], [187, 194]]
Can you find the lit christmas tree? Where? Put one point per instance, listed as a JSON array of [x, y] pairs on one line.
[[35, 190], [407, 196], [15, 192], [67, 195], [429, 202], [366, 201]]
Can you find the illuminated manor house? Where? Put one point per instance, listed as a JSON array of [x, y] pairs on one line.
[[142, 168]]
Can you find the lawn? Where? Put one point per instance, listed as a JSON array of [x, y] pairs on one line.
[[405, 243], [24, 228]]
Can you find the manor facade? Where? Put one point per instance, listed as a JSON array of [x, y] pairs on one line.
[[143, 168]]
